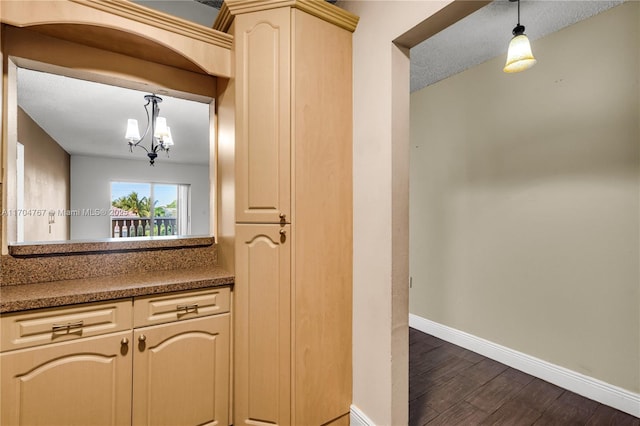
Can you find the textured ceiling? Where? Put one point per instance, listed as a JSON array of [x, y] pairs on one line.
[[212, 3], [486, 33], [201, 12]]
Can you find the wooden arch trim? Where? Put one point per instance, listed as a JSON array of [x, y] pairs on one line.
[[125, 27]]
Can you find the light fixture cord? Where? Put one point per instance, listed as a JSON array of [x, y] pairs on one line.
[[518, 12]]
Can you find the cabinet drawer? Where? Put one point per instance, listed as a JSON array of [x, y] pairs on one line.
[[157, 309], [43, 326]]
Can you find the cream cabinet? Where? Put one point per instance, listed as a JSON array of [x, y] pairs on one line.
[[293, 257], [263, 124], [262, 315], [181, 367], [80, 382], [174, 372], [181, 373]]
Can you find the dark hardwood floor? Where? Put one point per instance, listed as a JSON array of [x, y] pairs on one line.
[[449, 385]]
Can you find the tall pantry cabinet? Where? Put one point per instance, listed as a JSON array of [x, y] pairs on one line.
[[293, 183]]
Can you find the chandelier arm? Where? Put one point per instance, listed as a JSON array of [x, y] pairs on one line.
[[146, 110], [135, 145]]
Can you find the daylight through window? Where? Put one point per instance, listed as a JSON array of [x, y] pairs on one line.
[[149, 209]]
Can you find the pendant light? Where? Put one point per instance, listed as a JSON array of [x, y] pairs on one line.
[[161, 139], [519, 56]]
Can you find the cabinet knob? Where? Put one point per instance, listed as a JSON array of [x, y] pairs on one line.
[[124, 341], [283, 232], [283, 217], [142, 338]]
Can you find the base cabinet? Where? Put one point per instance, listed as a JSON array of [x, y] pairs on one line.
[[82, 382], [175, 373], [180, 373]]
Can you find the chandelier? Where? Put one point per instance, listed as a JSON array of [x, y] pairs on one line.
[[161, 134]]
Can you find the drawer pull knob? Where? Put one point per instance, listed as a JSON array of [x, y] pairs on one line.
[[142, 338], [283, 232], [187, 308], [67, 327], [124, 341], [283, 217]]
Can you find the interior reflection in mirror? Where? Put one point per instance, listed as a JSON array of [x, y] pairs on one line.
[[78, 178]]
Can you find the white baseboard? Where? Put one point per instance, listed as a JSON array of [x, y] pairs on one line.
[[586, 386], [358, 418]]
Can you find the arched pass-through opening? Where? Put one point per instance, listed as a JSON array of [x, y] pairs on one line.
[[117, 43], [129, 29]]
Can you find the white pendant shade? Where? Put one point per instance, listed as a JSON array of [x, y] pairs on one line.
[[519, 56], [168, 140], [161, 128], [133, 134]]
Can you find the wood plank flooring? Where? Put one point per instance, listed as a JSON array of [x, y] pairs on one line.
[[449, 385]]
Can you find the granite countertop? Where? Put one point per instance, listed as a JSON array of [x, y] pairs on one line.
[[58, 293], [107, 245]]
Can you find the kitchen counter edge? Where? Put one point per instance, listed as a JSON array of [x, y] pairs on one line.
[[51, 294]]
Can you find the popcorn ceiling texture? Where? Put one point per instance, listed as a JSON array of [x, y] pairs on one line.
[[485, 34]]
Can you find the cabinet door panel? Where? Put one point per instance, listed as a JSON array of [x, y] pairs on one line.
[[263, 169], [181, 373], [262, 327], [84, 382]]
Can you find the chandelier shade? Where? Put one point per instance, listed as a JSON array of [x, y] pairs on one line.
[[168, 140], [161, 128], [133, 134]]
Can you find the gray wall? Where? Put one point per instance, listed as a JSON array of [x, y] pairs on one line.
[[525, 209], [91, 179]]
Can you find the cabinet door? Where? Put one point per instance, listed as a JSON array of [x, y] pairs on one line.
[[263, 169], [181, 373], [83, 382], [262, 313]]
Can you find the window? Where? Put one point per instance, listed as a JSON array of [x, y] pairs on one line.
[[149, 209]]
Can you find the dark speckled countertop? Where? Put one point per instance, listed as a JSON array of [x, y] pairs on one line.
[[66, 292]]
